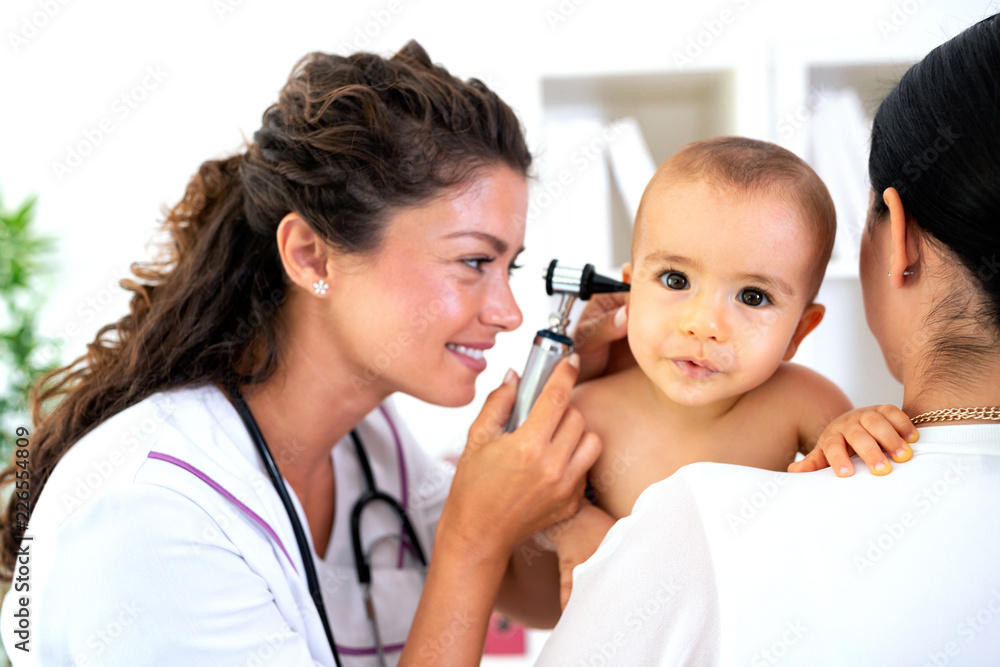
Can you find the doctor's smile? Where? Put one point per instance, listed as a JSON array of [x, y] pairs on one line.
[[473, 355]]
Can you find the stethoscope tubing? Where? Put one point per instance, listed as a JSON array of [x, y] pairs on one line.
[[312, 580], [370, 496]]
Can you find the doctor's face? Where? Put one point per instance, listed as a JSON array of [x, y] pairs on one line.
[[718, 289], [425, 308]]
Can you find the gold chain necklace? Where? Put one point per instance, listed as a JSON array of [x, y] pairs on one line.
[[954, 414]]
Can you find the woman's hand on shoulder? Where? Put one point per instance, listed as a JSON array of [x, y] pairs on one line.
[[508, 486], [868, 432]]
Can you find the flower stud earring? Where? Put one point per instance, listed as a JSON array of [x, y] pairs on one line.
[[320, 287]]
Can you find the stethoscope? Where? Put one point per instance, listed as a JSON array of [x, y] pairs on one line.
[[361, 560]]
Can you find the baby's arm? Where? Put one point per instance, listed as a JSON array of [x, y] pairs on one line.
[[815, 400], [576, 539], [866, 432]]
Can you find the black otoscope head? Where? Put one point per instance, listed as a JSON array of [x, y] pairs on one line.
[[582, 283]]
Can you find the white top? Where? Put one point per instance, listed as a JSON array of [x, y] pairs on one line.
[[728, 565], [160, 540]]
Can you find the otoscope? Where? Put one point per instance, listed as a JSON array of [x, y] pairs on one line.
[[553, 344]]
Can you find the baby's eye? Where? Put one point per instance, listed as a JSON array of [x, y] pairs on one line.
[[674, 280], [754, 297]]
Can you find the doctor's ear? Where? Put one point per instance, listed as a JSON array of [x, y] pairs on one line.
[[306, 257]]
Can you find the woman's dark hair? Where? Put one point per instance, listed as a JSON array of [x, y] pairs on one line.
[[350, 140], [936, 139]]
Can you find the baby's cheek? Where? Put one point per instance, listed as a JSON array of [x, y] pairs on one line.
[[762, 345]]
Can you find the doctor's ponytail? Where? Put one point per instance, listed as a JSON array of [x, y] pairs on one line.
[[350, 140]]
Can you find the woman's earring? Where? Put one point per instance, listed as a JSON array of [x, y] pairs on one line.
[[905, 273], [320, 287]]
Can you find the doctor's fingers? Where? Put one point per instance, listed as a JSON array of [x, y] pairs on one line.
[[569, 477], [601, 323], [548, 411], [492, 419]]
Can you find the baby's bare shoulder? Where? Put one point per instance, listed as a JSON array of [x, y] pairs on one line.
[[798, 380], [804, 392], [601, 399]]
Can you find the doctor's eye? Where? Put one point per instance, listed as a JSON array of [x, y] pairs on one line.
[[754, 297], [674, 280], [477, 263]]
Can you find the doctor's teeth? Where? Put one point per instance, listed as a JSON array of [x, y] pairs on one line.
[[467, 351]]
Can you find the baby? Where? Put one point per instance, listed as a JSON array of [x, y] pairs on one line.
[[730, 246]]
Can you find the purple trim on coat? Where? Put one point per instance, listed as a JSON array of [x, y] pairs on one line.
[[233, 499], [348, 650]]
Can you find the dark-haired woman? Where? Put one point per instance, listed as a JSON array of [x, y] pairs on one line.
[[360, 246], [726, 565]]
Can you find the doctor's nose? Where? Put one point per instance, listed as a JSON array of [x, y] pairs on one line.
[[501, 309]]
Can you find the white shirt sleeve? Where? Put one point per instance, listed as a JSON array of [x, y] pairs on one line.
[[658, 585], [193, 601]]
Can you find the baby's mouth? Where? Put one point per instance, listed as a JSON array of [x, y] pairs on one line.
[[695, 369]]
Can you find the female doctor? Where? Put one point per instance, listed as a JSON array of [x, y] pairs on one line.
[[222, 471]]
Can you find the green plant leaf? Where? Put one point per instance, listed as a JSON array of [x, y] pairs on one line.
[[24, 214], [22, 260]]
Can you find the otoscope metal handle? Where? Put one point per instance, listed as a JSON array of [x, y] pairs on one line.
[[549, 347], [553, 344]]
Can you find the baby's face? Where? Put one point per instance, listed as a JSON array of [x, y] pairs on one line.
[[719, 284]]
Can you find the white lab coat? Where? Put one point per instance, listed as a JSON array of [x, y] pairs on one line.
[[159, 540]]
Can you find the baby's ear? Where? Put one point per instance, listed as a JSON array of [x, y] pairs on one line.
[[627, 272], [811, 317]]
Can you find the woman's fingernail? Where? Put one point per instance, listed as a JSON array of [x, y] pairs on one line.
[[510, 377], [620, 316], [881, 468], [843, 471], [574, 360], [913, 437]]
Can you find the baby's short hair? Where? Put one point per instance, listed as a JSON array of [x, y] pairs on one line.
[[754, 167]]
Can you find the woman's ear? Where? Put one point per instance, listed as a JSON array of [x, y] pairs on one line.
[[304, 254], [811, 317], [904, 251]]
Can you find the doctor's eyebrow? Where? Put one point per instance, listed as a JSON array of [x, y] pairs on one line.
[[498, 244]]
